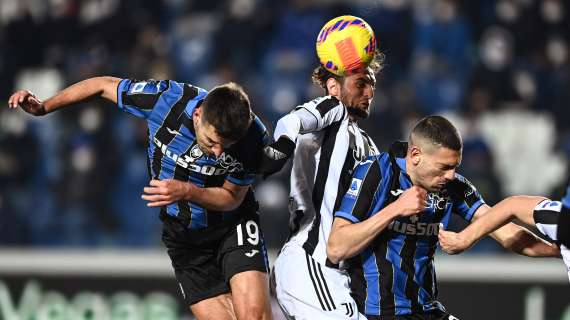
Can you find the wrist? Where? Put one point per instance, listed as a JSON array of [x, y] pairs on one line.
[[188, 191], [46, 107], [394, 211], [467, 238]]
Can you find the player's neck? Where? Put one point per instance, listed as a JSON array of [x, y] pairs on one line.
[[410, 171]]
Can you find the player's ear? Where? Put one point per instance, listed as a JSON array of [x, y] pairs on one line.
[[197, 113], [415, 153], [333, 87]]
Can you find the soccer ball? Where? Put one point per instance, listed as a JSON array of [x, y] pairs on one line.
[[346, 44]]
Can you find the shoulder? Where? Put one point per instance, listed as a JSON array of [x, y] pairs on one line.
[[461, 188], [322, 104], [249, 149], [376, 164]]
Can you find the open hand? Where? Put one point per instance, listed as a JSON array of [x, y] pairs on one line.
[[27, 101]]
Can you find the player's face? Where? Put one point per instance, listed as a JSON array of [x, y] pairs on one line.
[[207, 136], [357, 91], [434, 166]]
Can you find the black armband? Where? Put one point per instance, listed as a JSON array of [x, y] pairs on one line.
[[276, 155]]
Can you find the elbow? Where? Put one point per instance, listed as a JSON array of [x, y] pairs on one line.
[[107, 87], [232, 203], [526, 244], [335, 253], [229, 206], [516, 242]]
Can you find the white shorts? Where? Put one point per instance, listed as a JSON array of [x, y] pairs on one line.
[[308, 290]]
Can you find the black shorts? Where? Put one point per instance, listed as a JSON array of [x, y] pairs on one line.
[[205, 260], [435, 315]]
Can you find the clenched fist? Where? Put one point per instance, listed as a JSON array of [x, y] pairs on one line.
[[412, 201], [452, 242], [164, 192]]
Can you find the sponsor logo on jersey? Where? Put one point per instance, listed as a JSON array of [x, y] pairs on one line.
[[172, 131], [414, 227], [227, 163], [252, 253], [396, 193], [273, 153]]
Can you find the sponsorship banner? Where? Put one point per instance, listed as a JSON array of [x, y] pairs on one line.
[[110, 285], [89, 298], [94, 298]]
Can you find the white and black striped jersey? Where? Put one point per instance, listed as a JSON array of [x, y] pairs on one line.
[[546, 217], [328, 147]]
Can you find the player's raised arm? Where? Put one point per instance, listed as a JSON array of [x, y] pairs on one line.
[[309, 117], [520, 207], [104, 87]]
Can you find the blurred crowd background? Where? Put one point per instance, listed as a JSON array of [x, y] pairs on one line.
[[499, 69]]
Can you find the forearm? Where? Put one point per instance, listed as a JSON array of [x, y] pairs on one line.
[[348, 239], [494, 218], [521, 241], [104, 87], [214, 198], [520, 207]]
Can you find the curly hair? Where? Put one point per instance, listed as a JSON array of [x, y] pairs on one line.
[[320, 75]]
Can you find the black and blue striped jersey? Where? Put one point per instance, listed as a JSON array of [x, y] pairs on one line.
[[173, 152], [395, 274]]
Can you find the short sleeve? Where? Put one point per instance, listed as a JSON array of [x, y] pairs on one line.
[[361, 195], [465, 197], [140, 97]]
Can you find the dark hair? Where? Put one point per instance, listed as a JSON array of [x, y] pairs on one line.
[[320, 75], [227, 109], [439, 131]]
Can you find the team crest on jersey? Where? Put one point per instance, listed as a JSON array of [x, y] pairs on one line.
[[354, 187], [196, 152], [437, 201], [358, 154]]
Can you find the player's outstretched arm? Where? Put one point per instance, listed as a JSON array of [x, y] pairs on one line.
[[164, 192], [348, 239], [518, 239], [520, 207], [309, 117], [104, 87]]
